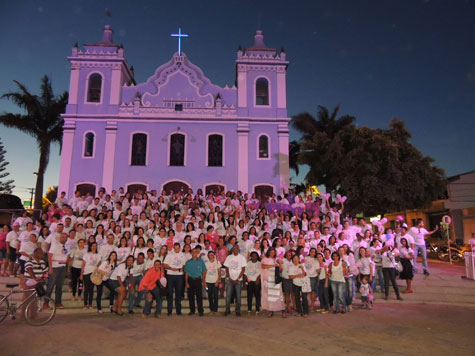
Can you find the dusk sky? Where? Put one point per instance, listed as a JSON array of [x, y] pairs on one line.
[[414, 60]]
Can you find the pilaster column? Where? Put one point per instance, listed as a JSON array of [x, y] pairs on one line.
[[109, 156], [69, 129], [243, 157]]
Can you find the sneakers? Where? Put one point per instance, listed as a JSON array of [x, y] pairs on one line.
[[426, 273], [349, 309], [59, 306], [46, 307], [324, 311], [399, 297]]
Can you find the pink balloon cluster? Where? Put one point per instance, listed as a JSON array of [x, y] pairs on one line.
[[380, 224], [340, 199]]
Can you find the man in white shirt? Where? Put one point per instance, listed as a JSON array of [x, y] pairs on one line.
[[174, 263], [235, 265], [419, 234], [405, 235], [58, 258], [61, 200]]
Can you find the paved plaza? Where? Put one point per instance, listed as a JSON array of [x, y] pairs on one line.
[[438, 319]]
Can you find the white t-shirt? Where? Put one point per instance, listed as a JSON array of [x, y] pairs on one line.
[[60, 255], [418, 235], [12, 239], [253, 271], [294, 271], [122, 253], [91, 260], [409, 238], [107, 268], [311, 265], [77, 256], [364, 289], [235, 265], [212, 271], [120, 271], [28, 247], [175, 260]]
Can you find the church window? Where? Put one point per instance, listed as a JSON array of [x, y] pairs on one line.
[[139, 150], [262, 91], [177, 150], [215, 150], [94, 88], [89, 145], [263, 146]]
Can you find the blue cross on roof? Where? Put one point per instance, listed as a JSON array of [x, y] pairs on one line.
[[179, 35]]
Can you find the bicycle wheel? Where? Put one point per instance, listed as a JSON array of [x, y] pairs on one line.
[[4, 307], [35, 314]]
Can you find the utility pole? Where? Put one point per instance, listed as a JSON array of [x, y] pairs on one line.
[[31, 191]]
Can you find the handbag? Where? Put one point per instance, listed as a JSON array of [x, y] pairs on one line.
[[96, 277], [278, 277], [306, 285], [163, 290], [399, 267]]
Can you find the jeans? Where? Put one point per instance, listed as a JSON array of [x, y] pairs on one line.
[[175, 283], [137, 280], [301, 299], [195, 290], [323, 295], [213, 291], [380, 279], [100, 288], [232, 288], [349, 288], [390, 275], [56, 280], [148, 303], [338, 289], [88, 289], [253, 290], [76, 283], [423, 251]]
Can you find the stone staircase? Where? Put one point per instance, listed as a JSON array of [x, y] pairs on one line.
[[445, 286]]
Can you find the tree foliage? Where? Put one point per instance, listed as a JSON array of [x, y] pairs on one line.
[[379, 170], [41, 119], [6, 186]]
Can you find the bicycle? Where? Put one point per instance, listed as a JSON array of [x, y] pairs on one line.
[[35, 313]]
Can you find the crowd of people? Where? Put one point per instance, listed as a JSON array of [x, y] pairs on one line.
[[146, 246]]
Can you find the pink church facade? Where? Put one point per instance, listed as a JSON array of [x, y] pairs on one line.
[[177, 130]]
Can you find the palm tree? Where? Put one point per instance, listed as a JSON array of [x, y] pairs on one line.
[[320, 142], [41, 120]]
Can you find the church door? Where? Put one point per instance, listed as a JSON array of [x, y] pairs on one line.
[[136, 188], [263, 191], [86, 188], [176, 186], [217, 189]]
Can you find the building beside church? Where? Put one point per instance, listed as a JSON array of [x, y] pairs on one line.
[[177, 129]]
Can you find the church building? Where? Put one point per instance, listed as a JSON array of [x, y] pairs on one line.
[[177, 130]]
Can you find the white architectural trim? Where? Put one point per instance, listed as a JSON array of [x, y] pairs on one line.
[[86, 182], [268, 147], [93, 145], [66, 158], [224, 148], [87, 88], [141, 183], [186, 147], [175, 180], [268, 91], [215, 183], [243, 157], [130, 147], [264, 183]]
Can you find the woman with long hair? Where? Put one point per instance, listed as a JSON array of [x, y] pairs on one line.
[[119, 284], [90, 261], [106, 268]]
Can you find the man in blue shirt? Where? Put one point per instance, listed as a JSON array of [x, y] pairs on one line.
[[194, 277]]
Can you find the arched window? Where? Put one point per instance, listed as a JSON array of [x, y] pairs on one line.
[[262, 91], [263, 146], [176, 186], [136, 188], [94, 88], [139, 150], [215, 150], [177, 150], [89, 145]]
